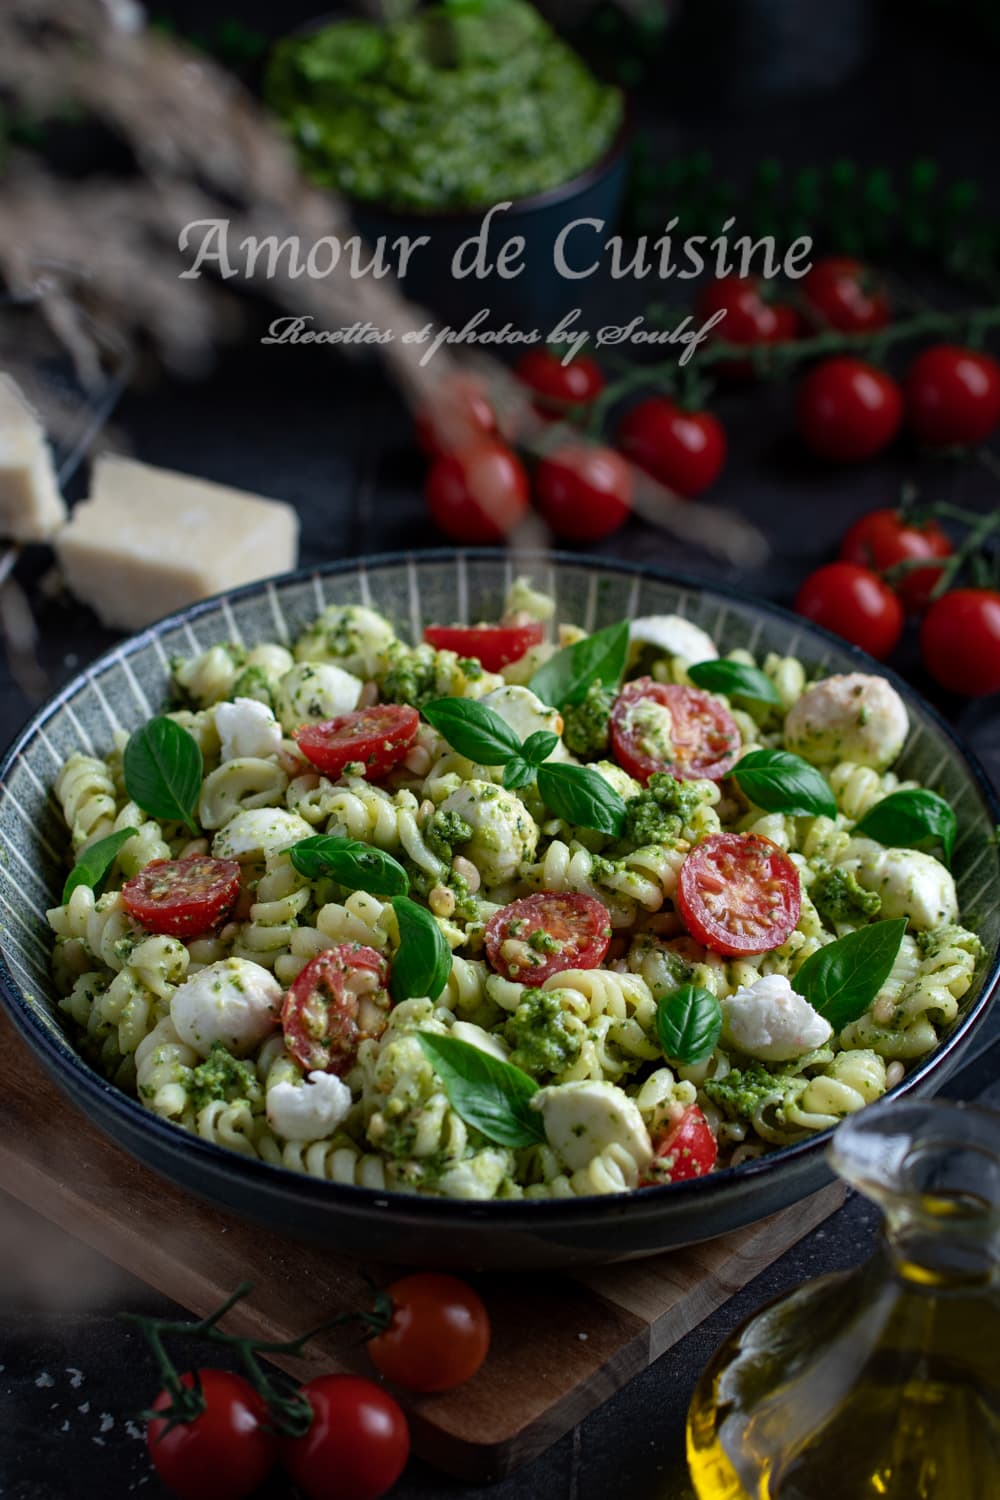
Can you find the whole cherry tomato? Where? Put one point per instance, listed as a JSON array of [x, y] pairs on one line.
[[584, 491], [439, 1334], [224, 1453], [477, 496], [854, 603], [357, 1445], [685, 1149], [842, 293], [960, 641], [884, 538], [684, 450], [559, 387], [952, 396], [460, 417], [848, 410], [754, 315]]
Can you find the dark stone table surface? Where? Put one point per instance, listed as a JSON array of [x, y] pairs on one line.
[[331, 438]]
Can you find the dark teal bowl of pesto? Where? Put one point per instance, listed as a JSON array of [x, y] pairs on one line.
[[425, 124]]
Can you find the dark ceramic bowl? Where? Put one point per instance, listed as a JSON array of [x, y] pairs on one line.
[[125, 686]]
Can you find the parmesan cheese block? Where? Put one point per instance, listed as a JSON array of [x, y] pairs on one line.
[[31, 507], [148, 541]]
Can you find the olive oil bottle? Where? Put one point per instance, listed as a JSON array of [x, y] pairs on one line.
[[883, 1383]]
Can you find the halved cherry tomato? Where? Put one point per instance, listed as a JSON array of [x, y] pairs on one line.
[[478, 495], [700, 738], [960, 641], [559, 387], [357, 1445], [884, 538], [226, 1452], [182, 897], [952, 395], [584, 491], [540, 935], [338, 1001], [377, 737], [848, 410], [685, 1149], [461, 417], [854, 603], [841, 293], [739, 893], [439, 1334], [684, 450], [493, 646]]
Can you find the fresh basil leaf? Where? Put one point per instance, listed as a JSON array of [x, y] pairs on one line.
[[566, 677], [580, 795], [423, 959], [353, 863], [95, 862], [688, 1024], [539, 746], [163, 770], [781, 782], [472, 729], [905, 819], [736, 680], [492, 1096], [517, 773], [842, 979]]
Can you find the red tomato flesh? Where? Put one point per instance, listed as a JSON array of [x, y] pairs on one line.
[[540, 935], [377, 737], [704, 738], [182, 897], [739, 893], [493, 646], [337, 1002], [357, 1445], [226, 1452], [439, 1334], [686, 1149]]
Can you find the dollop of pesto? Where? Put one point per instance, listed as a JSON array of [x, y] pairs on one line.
[[538, 1032], [657, 815], [444, 831], [585, 725], [222, 1076], [741, 1091], [453, 107], [838, 897]]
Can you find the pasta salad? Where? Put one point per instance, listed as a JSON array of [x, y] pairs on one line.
[[517, 911]]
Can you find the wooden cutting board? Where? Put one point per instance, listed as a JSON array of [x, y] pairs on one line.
[[562, 1343]]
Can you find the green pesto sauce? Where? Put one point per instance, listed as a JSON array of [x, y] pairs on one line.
[[585, 725], [838, 897], [222, 1076], [740, 1092], [446, 109], [538, 1032]]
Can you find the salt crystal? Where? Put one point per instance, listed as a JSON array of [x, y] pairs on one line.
[[44, 1381], [107, 1421], [75, 1377], [84, 1408]]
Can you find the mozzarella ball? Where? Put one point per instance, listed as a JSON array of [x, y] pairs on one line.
[[258, 832], [308, 1111], [854, 717], [584, 1118], [769, 1021], [352, 635], [247, 728], [526, 714], [911, 884], [234, 1002], [673, 635], [313, 691], [504, 834]]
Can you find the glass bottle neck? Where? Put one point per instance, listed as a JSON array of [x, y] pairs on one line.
[[943, 1243]]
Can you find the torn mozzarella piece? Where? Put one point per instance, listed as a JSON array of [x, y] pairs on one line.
[[235, 1002], [310, 1110], [259, 832], [584, 1118], [526, 714], [673, 635], [313, 691], [247, 728], [855, 717], [770, 1021]]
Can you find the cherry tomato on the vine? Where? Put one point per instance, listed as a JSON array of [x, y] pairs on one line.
[[854, 603], [754, 315], [357, 1445], [584, 491], [224, 1453], [439, 1334], [460, 417], [558, 387], [952, 396], [182, 897], [848, 410], [684, 450], [841, 293], [960, 641], [377, 737], [685, 1149], [739, 893], [884, 538], [477, 496]]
